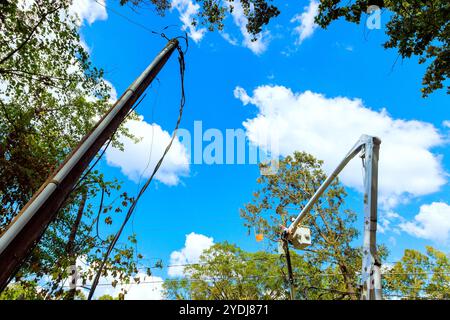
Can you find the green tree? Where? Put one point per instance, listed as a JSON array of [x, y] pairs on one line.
[[50, 96], [408, 277], [281, 196], [106, 297], [419, 276], [226, 272], [24, 291], [328, 269], [414, 28], [212, 13]]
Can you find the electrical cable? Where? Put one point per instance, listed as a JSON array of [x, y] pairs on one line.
[[155, 102], [151, 143], [140, 25], [182, 67], [98, 215]]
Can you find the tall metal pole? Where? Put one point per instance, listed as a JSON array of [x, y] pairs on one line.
[[24, 232], [371, 264]]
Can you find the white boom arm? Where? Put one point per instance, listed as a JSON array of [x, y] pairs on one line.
[[371, 273]]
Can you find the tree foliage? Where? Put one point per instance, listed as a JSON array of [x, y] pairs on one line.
[[225, 272], [25, 291], [50, 96], [328, 269], [282, 196], [212, 13], [415, 28], [419, 275]]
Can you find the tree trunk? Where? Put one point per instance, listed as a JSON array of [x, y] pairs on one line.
[[348, 282], [70, 244]]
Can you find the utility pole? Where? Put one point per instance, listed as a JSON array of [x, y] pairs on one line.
[[371, 264], [25, 231]]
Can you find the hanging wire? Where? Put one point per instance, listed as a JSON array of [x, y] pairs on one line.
[[182, 67], [138, 24], [98, 215], [152, 137], [155, 103]]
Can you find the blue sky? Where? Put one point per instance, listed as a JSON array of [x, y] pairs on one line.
[[319, 94]]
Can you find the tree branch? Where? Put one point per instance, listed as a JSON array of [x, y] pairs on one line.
[[30, 35]]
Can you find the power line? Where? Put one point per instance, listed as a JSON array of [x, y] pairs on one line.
[[138, 24], [187, 279], [152, 135], [250, 278], [277, 257], [148, 162], [297, 274]]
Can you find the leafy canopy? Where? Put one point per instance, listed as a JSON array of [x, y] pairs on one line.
[[419, 275], [225, 271], [50, 96], [279, 199], [328, 269], [212, 13], [415, 28]]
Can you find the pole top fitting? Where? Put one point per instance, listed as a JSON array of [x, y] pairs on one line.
[[376, 140], [174, 41]]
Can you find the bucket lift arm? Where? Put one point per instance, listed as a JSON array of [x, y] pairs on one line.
[[371, 266]]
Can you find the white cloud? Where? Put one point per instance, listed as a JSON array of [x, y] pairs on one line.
[[4, 84], [262, 39], [229, 38], [193, 248], [432, 222], [385, 219], [306, 19], [89, 10], [25, 5], [328, 128], [188, 9], [112, 91], [149, 288], [134, 160], [446, 123]]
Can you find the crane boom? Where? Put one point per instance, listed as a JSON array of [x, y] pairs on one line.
[[371, 265]]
